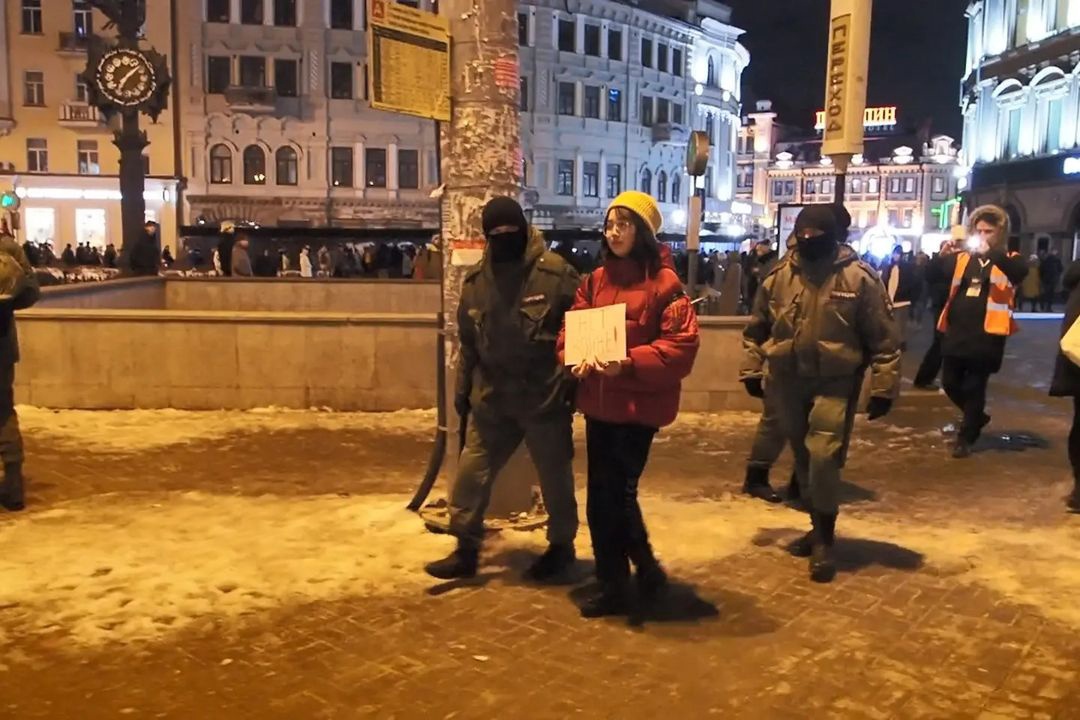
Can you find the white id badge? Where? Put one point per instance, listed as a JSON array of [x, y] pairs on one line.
[[975, 288]]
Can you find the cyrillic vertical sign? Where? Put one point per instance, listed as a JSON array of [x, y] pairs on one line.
[[846, 76]]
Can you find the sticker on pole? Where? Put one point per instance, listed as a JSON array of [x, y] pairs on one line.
[[466, 253], [410, 60]]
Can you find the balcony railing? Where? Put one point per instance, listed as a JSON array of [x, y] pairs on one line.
[[76, 114], [669, 133], [73, 42], [251, 98]]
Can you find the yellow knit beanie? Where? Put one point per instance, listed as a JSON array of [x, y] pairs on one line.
[[642, 205]]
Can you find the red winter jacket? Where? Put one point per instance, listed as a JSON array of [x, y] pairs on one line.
[[661, 340]]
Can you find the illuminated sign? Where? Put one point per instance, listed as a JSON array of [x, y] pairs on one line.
[[876, 117], [1071, 166], [35, 193]]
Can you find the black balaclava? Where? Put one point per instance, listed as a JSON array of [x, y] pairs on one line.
[[505, 247], [821, 218]]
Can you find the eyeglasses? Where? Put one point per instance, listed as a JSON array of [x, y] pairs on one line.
[[620, 226]]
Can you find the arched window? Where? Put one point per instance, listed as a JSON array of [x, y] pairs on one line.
[[711, 74], [254, 165], [220, 165], [710, 128], [661, 187], [676, 189], [285, 159], [646, 181]]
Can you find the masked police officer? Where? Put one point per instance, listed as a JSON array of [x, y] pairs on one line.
[[18, 290], [510, 382], [820, 319]]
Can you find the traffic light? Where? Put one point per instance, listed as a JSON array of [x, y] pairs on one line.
[[9, 201]]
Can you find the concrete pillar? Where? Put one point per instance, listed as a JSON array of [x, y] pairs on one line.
[[234, 11], [268, 12], [392, 166], [359, 166], [604, 39]]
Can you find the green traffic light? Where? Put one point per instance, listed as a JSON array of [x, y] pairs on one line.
[[8, 200]]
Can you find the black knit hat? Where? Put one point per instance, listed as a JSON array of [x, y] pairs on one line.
[[502, 211], [817, 217]]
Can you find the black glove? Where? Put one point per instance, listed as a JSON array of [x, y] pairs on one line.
[[879, 407], [754, 387], [461, 404]]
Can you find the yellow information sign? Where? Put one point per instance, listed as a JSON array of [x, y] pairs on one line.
[[409, 60]]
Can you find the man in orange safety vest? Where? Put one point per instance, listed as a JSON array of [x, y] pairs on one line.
[[978, 319]]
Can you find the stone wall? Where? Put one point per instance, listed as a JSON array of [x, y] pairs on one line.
[[128, 293], [122, 359], [303, 295]]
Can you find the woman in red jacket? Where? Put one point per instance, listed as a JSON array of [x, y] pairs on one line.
[[625, 403]]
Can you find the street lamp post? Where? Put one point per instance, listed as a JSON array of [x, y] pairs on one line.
[[845, 86]]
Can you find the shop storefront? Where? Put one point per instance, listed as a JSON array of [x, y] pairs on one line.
[[61, 210]]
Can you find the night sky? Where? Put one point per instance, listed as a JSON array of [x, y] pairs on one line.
[[917, 56]]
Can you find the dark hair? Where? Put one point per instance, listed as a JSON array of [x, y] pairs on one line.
[[646, 250]]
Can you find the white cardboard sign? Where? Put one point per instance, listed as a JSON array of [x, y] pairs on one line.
[[596, 334]]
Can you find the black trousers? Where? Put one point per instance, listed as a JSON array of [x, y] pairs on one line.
[[617, 457], [1074, 439], [931, 362], [965, 383]]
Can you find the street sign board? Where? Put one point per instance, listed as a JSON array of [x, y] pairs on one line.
[[846, 76], [410, 60]]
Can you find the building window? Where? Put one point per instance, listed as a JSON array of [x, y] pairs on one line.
[[286, 77], [614, 44], [662, 57], [614, 180], [938, 187], [592, 101], [218, 75], [663, 111], [34, 88], [710, 73], [252, 71], [677, 113], [614, 105], [285, 13], [408, 162], [82, 94], [676, 189], [566, 98], [523, 29], [217, 11], [789, 187], [646, 181], [287, 166], [251, 12], [909, 185], [523, 93], [83, 18], [710, 127], [647, 52], [564, 181], [646, 111], [677, 61], [341, 80], [1052, 143], [375, 167], [220, 165], [592, 40], [1012, 133], [590, 179], [661, 186], [810, 187], [894, 186], [777, 189], [341, 18], [88, 157], [873, 186], [524, 171], [90, 226], [254, 165], [341, 166], [31, 17], [567, 35], [856, 186]]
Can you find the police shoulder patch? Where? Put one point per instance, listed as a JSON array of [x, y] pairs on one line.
[[843, 295]]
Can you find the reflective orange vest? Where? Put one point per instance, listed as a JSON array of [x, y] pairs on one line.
[[999, 304]]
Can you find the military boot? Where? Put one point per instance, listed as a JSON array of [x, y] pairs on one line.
[[556, 560], [613, 599], [1073, 502], [461, 563], [822, 562], [11, 488], [757, 484], [803, 547]]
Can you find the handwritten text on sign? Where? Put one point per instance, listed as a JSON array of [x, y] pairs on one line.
[[596, 334]]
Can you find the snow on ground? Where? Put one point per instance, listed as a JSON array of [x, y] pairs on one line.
[[189, 556], [134, 431]]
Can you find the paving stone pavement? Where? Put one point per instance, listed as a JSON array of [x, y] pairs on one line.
[[908, 630]]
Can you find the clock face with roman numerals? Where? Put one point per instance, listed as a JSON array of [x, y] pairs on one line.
[[125, 77]]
